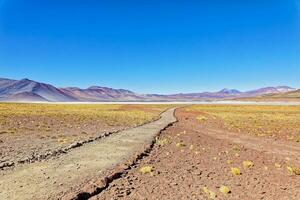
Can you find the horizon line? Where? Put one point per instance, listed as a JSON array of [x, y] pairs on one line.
[[95, 85]]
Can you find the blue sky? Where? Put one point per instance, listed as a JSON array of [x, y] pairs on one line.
[[156, 46]]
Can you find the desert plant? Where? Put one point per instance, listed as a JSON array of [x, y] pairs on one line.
[[146, 169], [293, 170], [235, 171], [248, 164], [224, 189]]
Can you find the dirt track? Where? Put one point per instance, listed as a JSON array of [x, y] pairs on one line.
[[49, 179], [181, 171]]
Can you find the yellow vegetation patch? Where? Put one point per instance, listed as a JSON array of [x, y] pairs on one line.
[[248, 164], [146, 169], [293, 170], [235, 171], [224, 189], [277, 165], [180, 144], [229, 161], [161, 141]]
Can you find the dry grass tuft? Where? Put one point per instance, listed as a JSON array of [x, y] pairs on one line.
[[180, 144], [235, 171], [229, 161], [293, 170], [146, 169], [248, 164], [224, 189], [162, 141], [277, 165]]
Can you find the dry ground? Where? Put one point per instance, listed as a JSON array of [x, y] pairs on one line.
[[194, 158], [52, 178], [29, 131], [278, 122]]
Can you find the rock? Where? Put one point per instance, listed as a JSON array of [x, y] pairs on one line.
[[7, 164], [75, 144]]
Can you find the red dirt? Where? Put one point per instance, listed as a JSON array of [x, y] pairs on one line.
[[182, 172]]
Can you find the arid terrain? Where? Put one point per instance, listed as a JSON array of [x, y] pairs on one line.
[[210, 152], [30, 132], [219, 152], [51, 178]]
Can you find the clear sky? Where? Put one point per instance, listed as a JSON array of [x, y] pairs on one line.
[[152, 46]]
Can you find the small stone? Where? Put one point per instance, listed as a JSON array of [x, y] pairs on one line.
[[75, 144]]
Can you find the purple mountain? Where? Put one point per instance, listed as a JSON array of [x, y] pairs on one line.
[[29, 90]]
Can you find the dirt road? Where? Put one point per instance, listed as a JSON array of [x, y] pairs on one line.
[[50, 178]]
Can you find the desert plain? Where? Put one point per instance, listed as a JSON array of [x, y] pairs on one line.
[[118, 151]]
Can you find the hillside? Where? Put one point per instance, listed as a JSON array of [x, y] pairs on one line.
[[29, 90], [292, 94], [286, 96], [25, 89]]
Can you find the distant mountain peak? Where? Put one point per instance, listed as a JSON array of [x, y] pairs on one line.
[[229, 91], [26, 80], [97, 88]]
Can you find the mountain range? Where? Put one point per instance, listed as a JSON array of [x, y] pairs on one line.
[[29, 90], [292, 95]]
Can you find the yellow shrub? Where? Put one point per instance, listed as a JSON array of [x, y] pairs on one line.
[[248, 164], [235, 171], [277, 165], [146, 169], [293, 170], [161, 142], [224, 189], [179, 144], [229, 161]]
